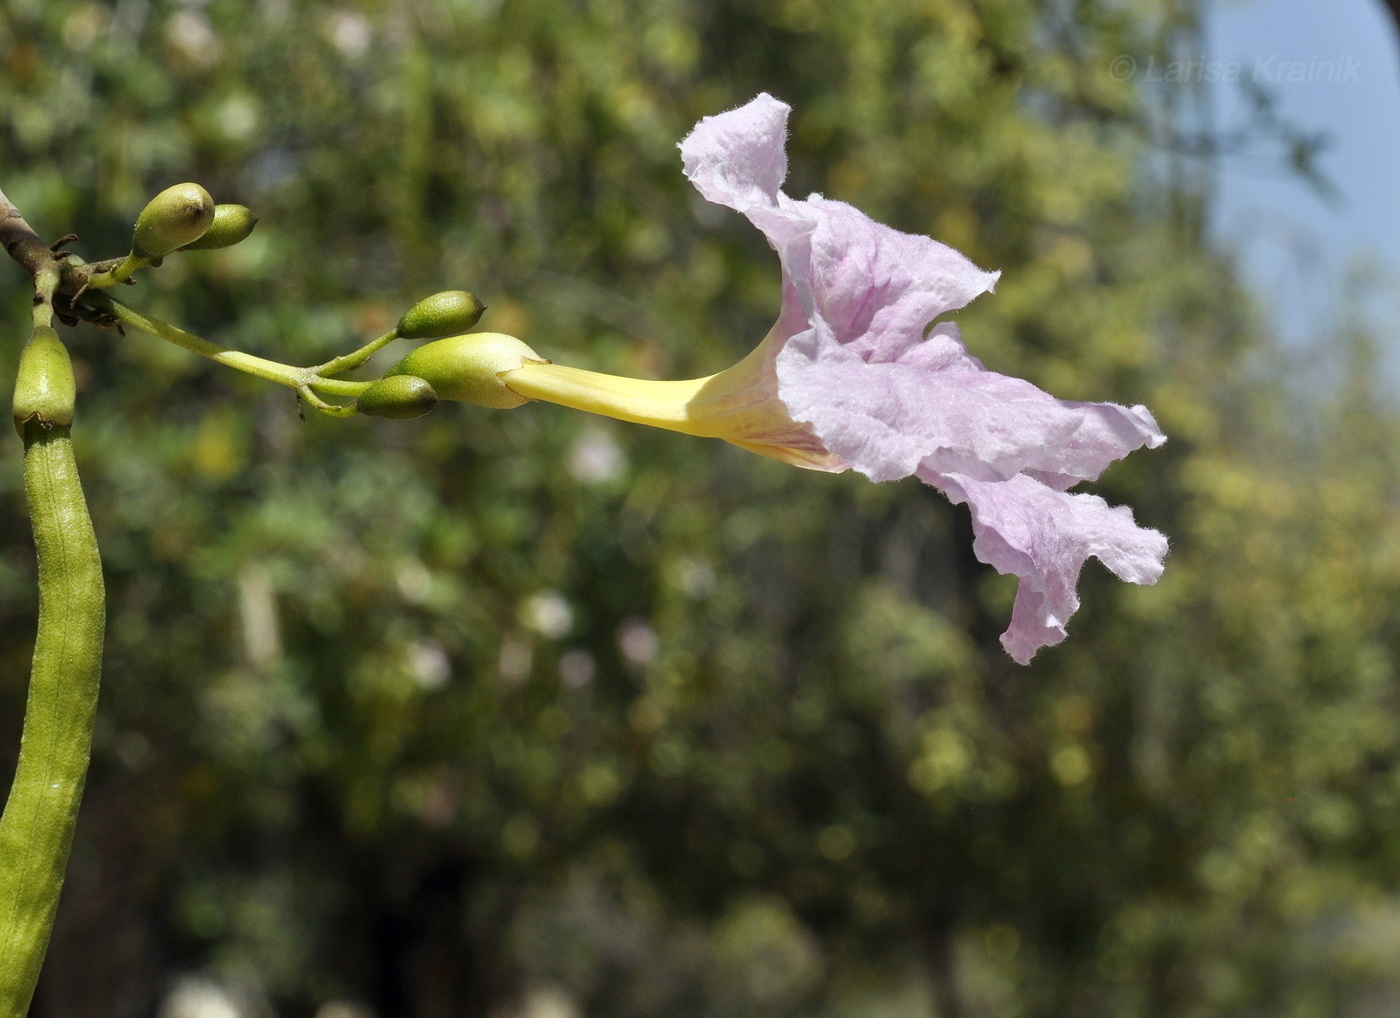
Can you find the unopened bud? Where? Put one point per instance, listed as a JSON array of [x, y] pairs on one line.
[[397, 397], [468, 368], [441, 315], [177, 216], [44, 387], [232, 224]]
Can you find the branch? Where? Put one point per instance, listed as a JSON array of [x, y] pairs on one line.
[[44, 261], [21, 242]]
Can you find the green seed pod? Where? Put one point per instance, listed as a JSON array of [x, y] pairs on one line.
[[232, 225], [441, 315], [468, 368], [36, 830], [44, 387], [177, 216], [399, 398]]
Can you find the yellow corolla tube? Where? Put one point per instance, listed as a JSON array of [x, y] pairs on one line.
[[739, 404]]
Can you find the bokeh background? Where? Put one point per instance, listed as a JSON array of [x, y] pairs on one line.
[[531, 715]]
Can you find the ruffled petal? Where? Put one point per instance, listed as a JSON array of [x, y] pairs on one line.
[[739, 159], [1044, 536], [876, 288], [937, 408]]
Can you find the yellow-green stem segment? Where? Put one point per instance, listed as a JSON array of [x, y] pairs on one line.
[[306, 381], [36, 830]]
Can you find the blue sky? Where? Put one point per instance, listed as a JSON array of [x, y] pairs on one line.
[[1298, 247]]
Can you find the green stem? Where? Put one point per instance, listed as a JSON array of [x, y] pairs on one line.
[[119, 273], [45, 285], [36, 830], [303, 380], [352, 360]]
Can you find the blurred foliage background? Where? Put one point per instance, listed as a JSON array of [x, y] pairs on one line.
[[530, 715]]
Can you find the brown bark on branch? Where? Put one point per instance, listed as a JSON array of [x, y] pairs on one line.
[[21, 242]]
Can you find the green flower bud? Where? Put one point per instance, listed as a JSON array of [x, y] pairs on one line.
[[398, 397], [44, 387], [232, 224], [468, 368], [177, 216], [441, 315]]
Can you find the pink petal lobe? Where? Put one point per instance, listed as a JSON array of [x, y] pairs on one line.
[[739, 159], [936, 407], [1044, 536], [876, 287]]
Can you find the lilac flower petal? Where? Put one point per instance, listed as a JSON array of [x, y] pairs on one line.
[[739, 159], [1044, 536], [876, 287], [940, 409]]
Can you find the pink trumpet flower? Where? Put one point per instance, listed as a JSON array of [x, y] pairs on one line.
[[851, 377]]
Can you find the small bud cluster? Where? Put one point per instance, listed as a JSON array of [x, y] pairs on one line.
[[180, 218], [453, 365], [456, 366]]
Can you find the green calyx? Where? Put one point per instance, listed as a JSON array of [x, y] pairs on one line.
[[441, 315], [397, 397], [44, 387], [176, 217], [468, 368], [232, 224]]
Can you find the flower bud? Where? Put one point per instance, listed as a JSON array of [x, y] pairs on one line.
[[232, 224], [468, 368], [177, 216], [443, 314], [44, 387], [397, 397]]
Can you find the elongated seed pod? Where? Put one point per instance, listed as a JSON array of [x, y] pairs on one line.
[[36, 830]]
